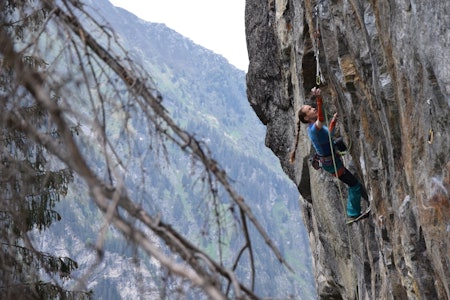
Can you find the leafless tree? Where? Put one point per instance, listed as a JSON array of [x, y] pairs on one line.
[[92, 77]]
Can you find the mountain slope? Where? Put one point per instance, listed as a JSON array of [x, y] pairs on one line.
[[207, 96]]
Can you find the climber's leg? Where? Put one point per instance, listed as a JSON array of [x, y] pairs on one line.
[[354, 200], [354, 193]]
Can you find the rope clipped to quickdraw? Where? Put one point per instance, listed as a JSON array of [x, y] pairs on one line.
[[319, 78], [319, 81], [431, 131]]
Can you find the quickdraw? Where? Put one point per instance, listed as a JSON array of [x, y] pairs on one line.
[[317, 46]]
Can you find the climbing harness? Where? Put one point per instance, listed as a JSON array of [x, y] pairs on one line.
[[339, 146], [430, 132], [315, 161]]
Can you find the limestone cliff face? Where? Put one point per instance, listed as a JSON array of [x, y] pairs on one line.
[[386, 70]]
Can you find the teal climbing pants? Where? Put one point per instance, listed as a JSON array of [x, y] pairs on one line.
[[354, 200]]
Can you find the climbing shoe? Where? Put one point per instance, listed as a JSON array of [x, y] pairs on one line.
[[361, 216]]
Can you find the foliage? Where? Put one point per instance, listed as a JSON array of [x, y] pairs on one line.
[[30, 188]]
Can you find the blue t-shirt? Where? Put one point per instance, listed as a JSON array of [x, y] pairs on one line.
[[320, 139]]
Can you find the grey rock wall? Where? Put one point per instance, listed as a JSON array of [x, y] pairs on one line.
[[386, 70]]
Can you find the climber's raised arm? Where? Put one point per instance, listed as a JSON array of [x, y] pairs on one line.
[[320, 116]]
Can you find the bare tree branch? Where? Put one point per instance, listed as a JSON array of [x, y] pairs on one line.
[[111, 197]]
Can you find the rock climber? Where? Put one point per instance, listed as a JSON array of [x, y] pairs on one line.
[[319, 133]]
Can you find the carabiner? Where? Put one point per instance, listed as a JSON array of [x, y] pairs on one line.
[[318, 80]]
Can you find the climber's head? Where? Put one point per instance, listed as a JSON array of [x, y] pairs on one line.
[[307, 114]]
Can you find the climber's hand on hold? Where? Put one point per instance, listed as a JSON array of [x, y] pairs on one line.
[[315, 91]]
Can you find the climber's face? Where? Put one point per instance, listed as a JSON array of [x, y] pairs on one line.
[[310, 113]]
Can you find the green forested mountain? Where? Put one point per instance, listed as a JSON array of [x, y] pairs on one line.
[[207, 96]]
